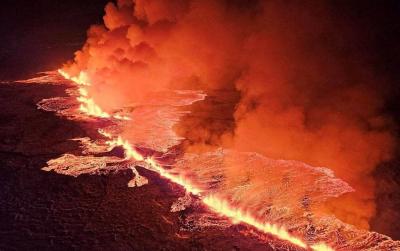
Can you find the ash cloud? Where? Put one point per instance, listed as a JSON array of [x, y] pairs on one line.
[[306, 89]]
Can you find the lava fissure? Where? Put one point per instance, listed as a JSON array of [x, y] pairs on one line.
[[214, 203]]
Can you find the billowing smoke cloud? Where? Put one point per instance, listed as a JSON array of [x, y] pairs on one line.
[[296, 77]]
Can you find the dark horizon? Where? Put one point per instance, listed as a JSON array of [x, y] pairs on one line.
[[41, 35]]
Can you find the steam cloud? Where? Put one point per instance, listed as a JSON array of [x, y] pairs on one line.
[[305, 89]]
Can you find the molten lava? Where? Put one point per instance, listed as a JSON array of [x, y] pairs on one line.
[[218, 205], [87, 104], [214, 203]]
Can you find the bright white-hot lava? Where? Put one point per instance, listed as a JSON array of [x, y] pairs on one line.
[[214, 203], [87, 104]]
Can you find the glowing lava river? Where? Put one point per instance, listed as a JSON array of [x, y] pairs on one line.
[[281, 206], [216, 204]]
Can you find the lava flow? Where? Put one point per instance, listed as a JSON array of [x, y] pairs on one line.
[[217, 205], [220, 206], [87, 104]]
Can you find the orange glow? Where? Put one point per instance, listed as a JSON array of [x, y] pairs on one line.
[[121, 117], [81, 79], [88, 105], [215, 204], [130, 152], [223, 207], [185, 183], [64, 74], [237, 215], [105, 134], [83, 92], [321, 247]]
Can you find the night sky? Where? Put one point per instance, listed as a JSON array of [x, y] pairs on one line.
[[40, 35]]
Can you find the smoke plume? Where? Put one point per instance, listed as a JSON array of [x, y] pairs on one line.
[[295, 78]]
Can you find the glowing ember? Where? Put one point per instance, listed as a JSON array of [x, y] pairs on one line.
[[218, 205]]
